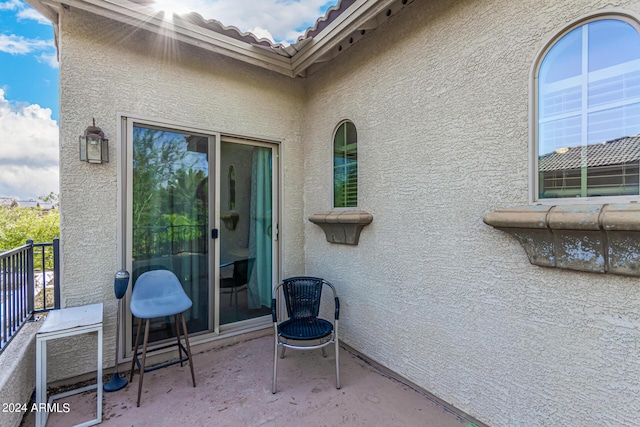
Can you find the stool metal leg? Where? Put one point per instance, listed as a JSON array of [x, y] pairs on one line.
[[177, 325], [335, 337], [186, 341], [144, 357], [135, 351]]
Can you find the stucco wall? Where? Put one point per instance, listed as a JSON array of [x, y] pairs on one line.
[[439, 96], [106, 69], [18, 375]]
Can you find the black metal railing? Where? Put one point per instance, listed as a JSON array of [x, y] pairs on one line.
[[171, 239], [29, 284]]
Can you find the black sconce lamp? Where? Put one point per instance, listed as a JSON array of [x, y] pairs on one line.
[[94, 147]]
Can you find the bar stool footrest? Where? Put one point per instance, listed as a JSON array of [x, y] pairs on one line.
[[163, 365]]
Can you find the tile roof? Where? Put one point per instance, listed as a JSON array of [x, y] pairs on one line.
[[234, 32], [614, 152], [321, 23], [342, 26]]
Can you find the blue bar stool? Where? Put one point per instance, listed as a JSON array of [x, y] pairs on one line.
[[159, 293]]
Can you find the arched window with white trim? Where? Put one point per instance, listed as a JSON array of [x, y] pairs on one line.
[[587, 112], [345, 166]]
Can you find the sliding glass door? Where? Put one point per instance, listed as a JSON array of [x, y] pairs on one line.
[[246, 230], [170, 216], [203, 207]]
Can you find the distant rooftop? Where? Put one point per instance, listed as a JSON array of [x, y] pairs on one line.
[[9, 202], [614, 152]]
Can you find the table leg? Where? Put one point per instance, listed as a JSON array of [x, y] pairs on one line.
[[99, 373], [41, 381]]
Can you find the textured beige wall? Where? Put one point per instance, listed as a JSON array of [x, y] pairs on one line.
[[439, 95], [18, 375], [107, 68]]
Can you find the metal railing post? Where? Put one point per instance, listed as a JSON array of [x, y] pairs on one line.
[[30, 277], [56, 272], [4, 322]]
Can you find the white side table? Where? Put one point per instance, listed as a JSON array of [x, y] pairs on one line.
[[65, 323]]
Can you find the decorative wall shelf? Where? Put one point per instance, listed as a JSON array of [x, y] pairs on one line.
[[342, 226], [593, 238], [230, 219]]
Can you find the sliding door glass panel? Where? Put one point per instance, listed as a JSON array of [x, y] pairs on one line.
[[170, 217], [246, 234]]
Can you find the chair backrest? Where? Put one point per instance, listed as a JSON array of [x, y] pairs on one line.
[[242, 271], [157, 284], [302, 296]]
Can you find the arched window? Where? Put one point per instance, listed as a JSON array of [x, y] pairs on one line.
[[345, 166], [587, 116]]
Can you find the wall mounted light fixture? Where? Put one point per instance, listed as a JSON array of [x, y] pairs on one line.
[[94, 147]]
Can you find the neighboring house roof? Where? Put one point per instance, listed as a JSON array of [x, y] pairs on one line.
[[7, 202], [27, 204], [341, 26], [614, 152]]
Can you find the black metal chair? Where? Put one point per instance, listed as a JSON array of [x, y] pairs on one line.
[[239, 280], [304, 330]]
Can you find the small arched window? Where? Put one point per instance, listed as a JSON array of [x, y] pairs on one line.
[[587, 116], [345, 166]]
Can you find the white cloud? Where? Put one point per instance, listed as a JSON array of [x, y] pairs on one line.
[[50, 59], [285, 20], [29, 155], [32, 14], [11, 5], [261, 33], [18, 45]]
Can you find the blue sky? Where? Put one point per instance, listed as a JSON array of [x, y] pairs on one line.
[[29, 78], [28, 103]]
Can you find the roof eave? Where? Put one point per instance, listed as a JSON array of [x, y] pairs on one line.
[[360, 18], [178, 29], [295, 60]]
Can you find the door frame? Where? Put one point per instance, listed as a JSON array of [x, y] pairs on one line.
[[124, 242]]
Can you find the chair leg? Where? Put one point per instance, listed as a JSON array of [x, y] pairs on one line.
[[324, 352], [186, 341], [337, 358], [144, 358], [282, 350], [275, 363], [135, 351], [177, 325]]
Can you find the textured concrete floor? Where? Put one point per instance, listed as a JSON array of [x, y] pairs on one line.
[[234, 389]]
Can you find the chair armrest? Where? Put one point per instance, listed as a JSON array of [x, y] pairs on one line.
[[337, 302]]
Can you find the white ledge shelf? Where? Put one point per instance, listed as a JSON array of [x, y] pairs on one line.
[[342, 226], [595, 238]]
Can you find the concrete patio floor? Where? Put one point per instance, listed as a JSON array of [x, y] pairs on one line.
[[234, 389]]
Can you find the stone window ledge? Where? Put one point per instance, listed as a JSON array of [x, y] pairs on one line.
[[342, 226], [595, 238], [230, 219]]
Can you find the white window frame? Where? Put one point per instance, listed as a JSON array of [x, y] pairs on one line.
[[333, 183], [629, 17]]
